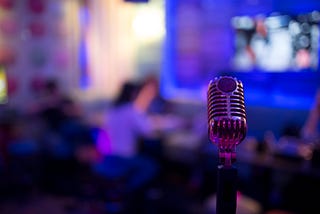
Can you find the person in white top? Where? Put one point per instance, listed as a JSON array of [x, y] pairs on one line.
[[126, 122]]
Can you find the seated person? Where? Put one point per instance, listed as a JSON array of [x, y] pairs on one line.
[[310, 129], [126, 122]]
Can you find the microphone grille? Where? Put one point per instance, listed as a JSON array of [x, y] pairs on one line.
[[225, 98], [226, 111]]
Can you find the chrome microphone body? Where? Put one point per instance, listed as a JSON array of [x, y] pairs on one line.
[[227, 124], [227, 127]]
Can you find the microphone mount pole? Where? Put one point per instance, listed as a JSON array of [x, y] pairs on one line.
[[227, 173]]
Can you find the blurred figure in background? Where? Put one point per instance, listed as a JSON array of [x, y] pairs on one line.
[[310, 129], [137, 113], [49, 104], [128, 119], [62, 135], [126, 123]]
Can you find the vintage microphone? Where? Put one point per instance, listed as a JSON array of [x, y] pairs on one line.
[[227, 127]]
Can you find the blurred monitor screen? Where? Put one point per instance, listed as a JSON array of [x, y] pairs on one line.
[[277, 42], [274, 54]]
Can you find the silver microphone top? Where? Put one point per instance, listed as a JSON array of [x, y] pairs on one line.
[[227, 124]]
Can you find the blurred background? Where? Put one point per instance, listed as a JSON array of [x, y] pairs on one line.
[[103, 104]]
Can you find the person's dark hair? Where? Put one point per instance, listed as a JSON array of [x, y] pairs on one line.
[[128, 92], [51, 85]]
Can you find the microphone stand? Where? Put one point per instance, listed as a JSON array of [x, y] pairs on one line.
[[227, 184]]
